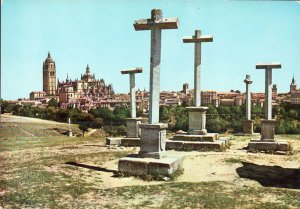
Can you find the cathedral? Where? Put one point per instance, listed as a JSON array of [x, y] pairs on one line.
[[87, 89]]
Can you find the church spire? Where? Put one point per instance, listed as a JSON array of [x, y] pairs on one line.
[[293, 80], [88, 69]]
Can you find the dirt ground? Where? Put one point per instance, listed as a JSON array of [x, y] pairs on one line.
[[92, 165]]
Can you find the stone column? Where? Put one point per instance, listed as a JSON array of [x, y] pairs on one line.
[[268, 124], [197, 71], [132, 124], [70, 133], [248, 123], [153, 135]]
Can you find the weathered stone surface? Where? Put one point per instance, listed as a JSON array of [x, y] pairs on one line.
[[174, 145], [130, 142], [210, 137], [113, 140], [283, 146], [248, 126], [197, 120], [133, 129], [225, 140], [153, 140], [134, 166], [204, 146], [195, 145], [260, 145], [143, 166], [268, 129]]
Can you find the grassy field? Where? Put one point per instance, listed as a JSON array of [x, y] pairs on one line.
[[40, 168]]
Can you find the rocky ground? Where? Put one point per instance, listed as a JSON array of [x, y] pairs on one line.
[[42, 168]]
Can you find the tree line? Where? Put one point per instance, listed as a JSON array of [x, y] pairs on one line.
[[219, 119]]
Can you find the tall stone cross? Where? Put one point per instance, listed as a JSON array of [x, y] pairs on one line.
[[132, 73], [197, 39], [248, 81], [268, 87], [155, 24]]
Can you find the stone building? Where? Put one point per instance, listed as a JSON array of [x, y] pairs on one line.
[[87, 87], [49, 76], [295, 93]]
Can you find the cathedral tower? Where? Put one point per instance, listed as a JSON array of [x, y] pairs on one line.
[[49, 76]]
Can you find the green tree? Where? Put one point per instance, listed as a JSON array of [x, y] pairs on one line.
[[83, 128], [52, 103]]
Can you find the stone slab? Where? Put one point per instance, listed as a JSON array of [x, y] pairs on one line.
[[210, 137], [218, 145], [269, 145], [113, 140], [148, 166], [130, 142]]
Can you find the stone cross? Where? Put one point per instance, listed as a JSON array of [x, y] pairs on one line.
[[132, 73], [248, 97], [268, 87], [155, 24], [197, 39]]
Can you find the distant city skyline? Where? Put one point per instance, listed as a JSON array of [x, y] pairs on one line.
[[101, 34]]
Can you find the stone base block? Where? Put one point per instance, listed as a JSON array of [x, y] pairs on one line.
[[153, 140], [269, 145], [218, 145], [268, 129], [131, 142], [133, 129], [70, 134], [248, 126], [113, 140], [244, 134], [225, 140], [200, 138], [148, 166]]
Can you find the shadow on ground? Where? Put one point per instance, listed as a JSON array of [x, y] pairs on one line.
[[271, 176], [90, 167]]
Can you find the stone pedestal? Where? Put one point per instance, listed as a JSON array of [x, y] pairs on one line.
[[133, 129], [70, 134], [268, 129], [153, 140], [248, 127], [197, 120]]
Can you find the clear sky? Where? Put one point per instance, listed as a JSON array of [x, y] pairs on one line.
[[100, 33]]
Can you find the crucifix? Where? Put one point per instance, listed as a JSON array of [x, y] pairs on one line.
[[156, 24], [197, 39]]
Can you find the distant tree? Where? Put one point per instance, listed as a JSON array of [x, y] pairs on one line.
[[3, 104], [83, 128], [52, 103]]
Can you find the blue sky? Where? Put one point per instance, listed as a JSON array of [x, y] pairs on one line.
[[100, 33]]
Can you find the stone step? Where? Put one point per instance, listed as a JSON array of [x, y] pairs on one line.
[[130, 142], [113, 140], [218, 145], [149, 166], [269, 145], [210, 137]]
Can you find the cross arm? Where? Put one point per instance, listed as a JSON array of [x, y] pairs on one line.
[[268, 66], [163, 23], [192, 39], [132, 70]]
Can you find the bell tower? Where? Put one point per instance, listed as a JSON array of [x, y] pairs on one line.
[[49, 76], [293, 85]]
